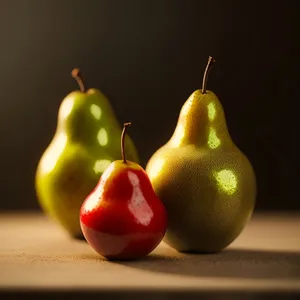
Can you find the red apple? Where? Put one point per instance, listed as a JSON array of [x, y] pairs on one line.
[[123, 218]]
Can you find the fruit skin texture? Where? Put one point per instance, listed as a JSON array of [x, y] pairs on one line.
[[86, 141], [206, 183], [123, 218]]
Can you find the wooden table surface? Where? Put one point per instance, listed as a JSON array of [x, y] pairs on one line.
[[36, 255]]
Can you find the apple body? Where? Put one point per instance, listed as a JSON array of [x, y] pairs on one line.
[[123, 218]]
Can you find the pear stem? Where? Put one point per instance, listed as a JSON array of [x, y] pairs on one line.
[[78, 77], [126, 125], [210, 62]]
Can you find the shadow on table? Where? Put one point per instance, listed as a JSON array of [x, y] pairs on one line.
[[229, 263]]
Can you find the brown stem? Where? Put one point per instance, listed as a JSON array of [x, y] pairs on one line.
[[77, 75], [207, 69], [128, 124]]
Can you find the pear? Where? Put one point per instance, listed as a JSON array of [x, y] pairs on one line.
[[123, 218], [85, 143], [206, 183]]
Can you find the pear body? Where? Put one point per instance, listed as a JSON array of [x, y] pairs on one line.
[[123, 218], [85, 143], [206, 183]]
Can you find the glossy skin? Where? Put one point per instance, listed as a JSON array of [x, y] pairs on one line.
[[207, 184], [123, 218], [86, 141]]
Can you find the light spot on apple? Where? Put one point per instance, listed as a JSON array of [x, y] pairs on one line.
[[138, 205]]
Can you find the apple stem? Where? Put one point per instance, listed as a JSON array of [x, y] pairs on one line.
[[126, 125], [210, 62], [77, 75]]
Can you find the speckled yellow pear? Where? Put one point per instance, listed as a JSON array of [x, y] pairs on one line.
[[207, 184], [85, 143]]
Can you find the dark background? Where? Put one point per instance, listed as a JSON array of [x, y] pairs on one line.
[[148, 57]]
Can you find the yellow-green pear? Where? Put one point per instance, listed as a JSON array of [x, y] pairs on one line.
[[85, 143], [206, 183]]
